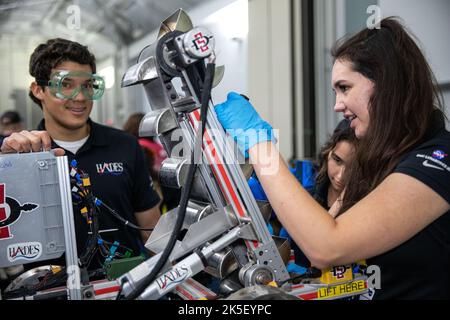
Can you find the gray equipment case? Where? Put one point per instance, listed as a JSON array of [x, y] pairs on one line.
[[31, 208]]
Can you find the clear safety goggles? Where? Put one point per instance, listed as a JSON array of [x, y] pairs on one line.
[[68, 84]]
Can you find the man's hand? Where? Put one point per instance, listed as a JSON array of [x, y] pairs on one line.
[[29, 141]]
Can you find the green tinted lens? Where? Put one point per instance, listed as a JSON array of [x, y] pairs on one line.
[[68, 84], [94, 88]]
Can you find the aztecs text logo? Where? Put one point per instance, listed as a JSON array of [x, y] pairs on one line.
[[113, 168], [10, 211]]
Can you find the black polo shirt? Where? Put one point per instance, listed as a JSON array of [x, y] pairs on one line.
[[119, 177]]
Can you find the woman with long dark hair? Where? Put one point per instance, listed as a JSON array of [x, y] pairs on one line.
[[396, 208]]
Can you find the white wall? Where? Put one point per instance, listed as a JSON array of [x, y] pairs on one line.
[[430, 22], [447, 104], [270, 66], [15, 51], [219, 16], [330, 25], [230, 27]]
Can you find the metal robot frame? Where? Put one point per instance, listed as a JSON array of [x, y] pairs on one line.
[[224, 224]]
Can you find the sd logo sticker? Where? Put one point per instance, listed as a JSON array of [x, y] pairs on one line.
[[10, 211]]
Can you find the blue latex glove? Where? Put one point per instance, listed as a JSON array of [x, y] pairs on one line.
[[240, 119]]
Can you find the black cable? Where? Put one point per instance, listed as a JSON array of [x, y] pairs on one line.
[[86, 257], [119, 293], [89, 200], [22, 292], [206, 95], [82, 190], [118, 246], [52, 280]]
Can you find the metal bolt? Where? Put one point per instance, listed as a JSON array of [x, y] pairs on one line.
[[263, 278]]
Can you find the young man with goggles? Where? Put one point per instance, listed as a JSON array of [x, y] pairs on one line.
[[64, 88]]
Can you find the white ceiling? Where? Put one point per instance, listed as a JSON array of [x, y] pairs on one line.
[[103, 24]]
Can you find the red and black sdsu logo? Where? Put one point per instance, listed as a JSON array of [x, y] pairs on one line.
[[10, 211]]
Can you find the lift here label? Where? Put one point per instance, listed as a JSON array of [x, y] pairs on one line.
[[341, 290]]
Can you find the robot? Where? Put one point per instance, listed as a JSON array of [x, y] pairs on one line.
[[225, 228]]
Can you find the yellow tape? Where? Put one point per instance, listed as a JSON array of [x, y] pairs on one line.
[[337, 274], [86, 182]]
